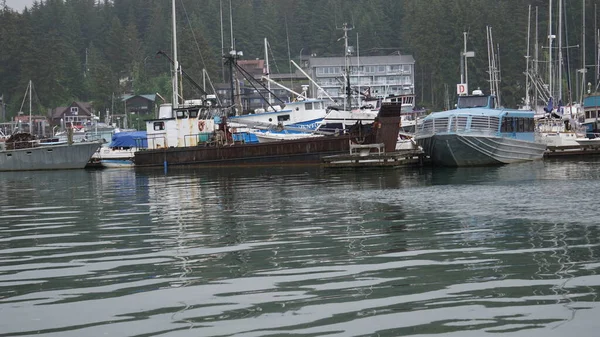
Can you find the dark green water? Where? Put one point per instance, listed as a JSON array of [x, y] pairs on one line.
[[511, 251]]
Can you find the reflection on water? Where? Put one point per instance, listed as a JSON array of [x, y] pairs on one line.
[[301, 251]]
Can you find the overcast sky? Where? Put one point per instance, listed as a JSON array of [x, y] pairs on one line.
[[19, 5]]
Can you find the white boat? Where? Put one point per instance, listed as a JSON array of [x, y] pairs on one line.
[[22, 152], [477, 133], [121, 150], [560, 133], [591, 142], [340, 120]]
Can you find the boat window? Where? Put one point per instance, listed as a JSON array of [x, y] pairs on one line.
[[472, 102], [193, 113], [520, 124], [517, 124], [180, 113], [159, 126], [507, 125], [530, 125], [283, 118], [308, 106]]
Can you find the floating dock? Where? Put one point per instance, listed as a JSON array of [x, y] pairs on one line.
[[404, 158], [571, 152]]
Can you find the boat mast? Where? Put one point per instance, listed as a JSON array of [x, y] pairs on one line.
[[583, 69], [30, 124], [550, 37], [560, 55], [348, 100], [267, 70], [222, 45], [175, 62], [358, 71], [527, 98], [536, 57]]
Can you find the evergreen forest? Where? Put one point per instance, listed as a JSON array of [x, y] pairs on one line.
[[82, 50]]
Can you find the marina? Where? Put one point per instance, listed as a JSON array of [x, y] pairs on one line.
[[222, 252], [299, 168]]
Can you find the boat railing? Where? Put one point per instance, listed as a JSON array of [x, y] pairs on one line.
[[157, 141], [459, 124], [486, 125]]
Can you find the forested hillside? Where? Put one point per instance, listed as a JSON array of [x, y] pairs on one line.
[[80, 49]]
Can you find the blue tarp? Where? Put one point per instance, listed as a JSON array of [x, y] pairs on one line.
[[130, 139]]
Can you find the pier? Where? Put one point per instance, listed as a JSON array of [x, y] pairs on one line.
[[404, 158]]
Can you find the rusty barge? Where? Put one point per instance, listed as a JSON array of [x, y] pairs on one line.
[[300, 151], [221, 147]]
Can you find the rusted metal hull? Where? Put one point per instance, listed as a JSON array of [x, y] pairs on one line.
[[305, 151]]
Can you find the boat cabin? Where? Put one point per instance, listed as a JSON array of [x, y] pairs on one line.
[[475, 114], [476, 101]]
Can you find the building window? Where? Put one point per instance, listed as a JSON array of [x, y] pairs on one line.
[[406, 69], [394, 68], [74, 110]]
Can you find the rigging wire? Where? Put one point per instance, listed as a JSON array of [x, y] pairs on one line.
[[287, 37], [203, 65]]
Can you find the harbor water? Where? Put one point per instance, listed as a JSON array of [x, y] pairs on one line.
[[511, 250]]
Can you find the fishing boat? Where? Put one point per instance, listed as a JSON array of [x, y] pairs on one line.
[[478, 133], [23, 152], [201, 132]]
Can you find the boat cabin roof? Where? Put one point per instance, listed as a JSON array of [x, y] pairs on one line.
[[480, 105]]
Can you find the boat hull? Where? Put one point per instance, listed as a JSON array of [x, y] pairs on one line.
[[478, 150], [53, 157], [304, 151], [117, 163]]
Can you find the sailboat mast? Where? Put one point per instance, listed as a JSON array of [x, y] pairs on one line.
[[550, 37], [30, 124], [358, 70], [560, 55], [527, 98], [267, 70], [175, 61], [583, 69], [536, 57]]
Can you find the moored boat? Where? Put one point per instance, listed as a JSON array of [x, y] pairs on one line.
[[22, 152], [477, 133], [120, 151]]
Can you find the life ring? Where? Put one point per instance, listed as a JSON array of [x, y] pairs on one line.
[[201, 125]]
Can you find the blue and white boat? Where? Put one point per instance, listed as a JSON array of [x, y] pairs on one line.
[[478, 133], [121, 150]]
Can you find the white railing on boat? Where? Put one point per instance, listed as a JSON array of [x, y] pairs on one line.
[[483, 125]]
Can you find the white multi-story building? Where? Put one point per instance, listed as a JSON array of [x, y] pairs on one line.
[[383, 75]]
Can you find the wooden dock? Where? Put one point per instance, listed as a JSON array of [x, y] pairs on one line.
[[571, 152], [404, 158]]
